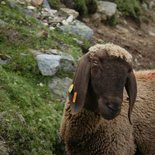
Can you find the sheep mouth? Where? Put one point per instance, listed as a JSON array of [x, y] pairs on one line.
[[109, 113]]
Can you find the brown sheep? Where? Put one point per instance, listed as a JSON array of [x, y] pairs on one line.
[[96, 119], [144, 113]]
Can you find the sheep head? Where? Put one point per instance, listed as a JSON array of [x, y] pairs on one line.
[[100, 78]]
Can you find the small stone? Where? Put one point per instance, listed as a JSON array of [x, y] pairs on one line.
[[70, 19], [46, 24], [69, 12], [46, 4], [122, 29], [31, 7], [64, 22], [52, 28], [144, 5], [4, 59], [3, 2], [36, 2], [151, 33]]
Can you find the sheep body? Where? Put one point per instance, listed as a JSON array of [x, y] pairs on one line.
[[87, 133], [144, 112]]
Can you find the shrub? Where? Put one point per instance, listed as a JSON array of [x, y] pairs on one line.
[[129, 7], [55, 4]]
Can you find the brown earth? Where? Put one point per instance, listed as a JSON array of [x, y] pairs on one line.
[[132, 36]]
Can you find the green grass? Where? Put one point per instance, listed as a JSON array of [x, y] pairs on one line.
[[56, 4], [130, 8], [85, 7], [29, 117]]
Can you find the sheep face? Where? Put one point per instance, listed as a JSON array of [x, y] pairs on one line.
[[108, 79], [99, 82]]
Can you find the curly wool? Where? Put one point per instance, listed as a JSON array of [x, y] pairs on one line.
[[110, 50]]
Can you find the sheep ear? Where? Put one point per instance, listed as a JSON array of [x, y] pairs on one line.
[[80, 85], [131, 88]]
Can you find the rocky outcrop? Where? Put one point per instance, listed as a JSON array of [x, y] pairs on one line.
[[106, 8], [49, 64], [59, 87], [105, 11], [78, 28]]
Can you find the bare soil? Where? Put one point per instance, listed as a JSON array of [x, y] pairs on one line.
[[133, 37]]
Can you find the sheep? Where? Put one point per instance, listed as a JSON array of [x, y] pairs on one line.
[[97, 118], [143, 115]]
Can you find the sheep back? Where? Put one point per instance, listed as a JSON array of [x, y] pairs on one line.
[[144, 112]]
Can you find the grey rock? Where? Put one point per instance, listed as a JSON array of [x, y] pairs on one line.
[[67, 63], [12, 4], [106, 8], [50, 63], [151, 4], [3, 2], [145, 6], [31, 8], [59, 87], [151, 33], [69, 12], [68, 21], [4, 59], [46, 4], [78, 28], [48, 12]]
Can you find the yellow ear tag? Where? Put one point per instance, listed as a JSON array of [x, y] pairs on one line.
[[70, 88], [74, 97]]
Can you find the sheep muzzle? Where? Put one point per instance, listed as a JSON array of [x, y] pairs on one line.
[[109, 107]]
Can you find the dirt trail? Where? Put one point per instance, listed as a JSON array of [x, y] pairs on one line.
[[132, 37]]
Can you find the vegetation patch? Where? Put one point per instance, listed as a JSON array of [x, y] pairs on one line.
[[131, 8], [29, 117], [56, 4]]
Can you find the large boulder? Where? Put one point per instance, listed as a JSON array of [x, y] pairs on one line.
[[59, 87], [106, 8], [78, 28], [49, 64]]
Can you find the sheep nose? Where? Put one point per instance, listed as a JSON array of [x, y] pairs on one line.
[[114, 103], [114, 106]]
